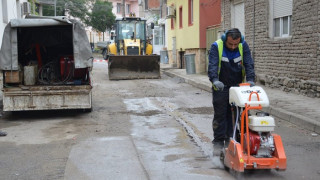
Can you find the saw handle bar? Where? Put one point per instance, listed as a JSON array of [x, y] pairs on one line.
[[250, 102], [251, 96], [244, 117]]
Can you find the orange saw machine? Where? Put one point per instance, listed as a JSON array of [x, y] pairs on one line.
[[253, 145]]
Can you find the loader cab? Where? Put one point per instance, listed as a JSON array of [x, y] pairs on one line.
[[130, 28], [112, 36]]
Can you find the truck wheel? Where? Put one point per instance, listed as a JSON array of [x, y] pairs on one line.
[[87, 110]]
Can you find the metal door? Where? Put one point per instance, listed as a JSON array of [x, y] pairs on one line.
[[212, 35], [174, 50], [237, 15], [157, 41]]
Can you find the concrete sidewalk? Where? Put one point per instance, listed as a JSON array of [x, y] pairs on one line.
[[297, 109]]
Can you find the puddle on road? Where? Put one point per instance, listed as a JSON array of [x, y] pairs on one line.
[[147, 113], [164, 145], [39, 132], [161, 149], [140, 105]]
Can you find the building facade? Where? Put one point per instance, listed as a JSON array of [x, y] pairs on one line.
[[187, 25], [284, 41], [154, 11], [130, 6], [10, 10]]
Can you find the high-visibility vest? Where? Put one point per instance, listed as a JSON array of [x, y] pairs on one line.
[[220, 50]]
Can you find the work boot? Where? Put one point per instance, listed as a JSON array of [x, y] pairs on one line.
[[226, 142], [3, 133], [217, 148]]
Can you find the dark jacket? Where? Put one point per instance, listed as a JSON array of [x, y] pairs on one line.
[[230, 72]]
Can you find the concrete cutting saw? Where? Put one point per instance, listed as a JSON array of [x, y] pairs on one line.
[[253, 145]]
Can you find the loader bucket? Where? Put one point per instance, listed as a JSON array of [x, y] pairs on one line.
[[134, 67]]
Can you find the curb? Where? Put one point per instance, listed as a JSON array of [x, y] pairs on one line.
[[189, 81], [294, 118]]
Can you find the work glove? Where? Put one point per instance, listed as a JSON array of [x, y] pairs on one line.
[[251, 83], [218, 85]]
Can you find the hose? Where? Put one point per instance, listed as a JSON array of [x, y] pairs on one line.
[[47, 74], [235, 127]]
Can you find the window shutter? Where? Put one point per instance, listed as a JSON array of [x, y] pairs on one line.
[[282, 8], [239, 17]]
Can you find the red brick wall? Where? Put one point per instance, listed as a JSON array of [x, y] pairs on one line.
[[210, 14], [153, 4]]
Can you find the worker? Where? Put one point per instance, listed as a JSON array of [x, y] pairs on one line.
[[130, 33], [3, 133], [230, 62]]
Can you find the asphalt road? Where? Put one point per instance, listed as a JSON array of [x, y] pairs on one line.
[[138, 129]]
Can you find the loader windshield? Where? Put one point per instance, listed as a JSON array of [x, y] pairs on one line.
[[129, 29]]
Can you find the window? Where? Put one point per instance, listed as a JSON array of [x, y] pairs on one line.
[[282, 26], [128, 9], [156, 35], [180, 17], [172, 23], [37, 10], [118, 8], [126, 28], [190, 12], [161, 35], [280, 18], [237, 15]]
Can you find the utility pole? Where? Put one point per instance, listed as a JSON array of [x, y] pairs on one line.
[[123, 8]]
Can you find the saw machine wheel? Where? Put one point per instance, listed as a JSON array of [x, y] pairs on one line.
[[222, 155]]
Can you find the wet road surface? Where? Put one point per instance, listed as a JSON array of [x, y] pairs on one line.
[[138, 129]]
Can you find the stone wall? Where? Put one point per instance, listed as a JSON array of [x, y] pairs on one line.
[[291, 64], [200, 59], [172, 62], [152, 4], [225, 14]]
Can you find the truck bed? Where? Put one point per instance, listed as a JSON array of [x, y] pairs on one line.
[[25, 98]]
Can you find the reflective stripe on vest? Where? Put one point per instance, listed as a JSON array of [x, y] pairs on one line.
[[220, 50]]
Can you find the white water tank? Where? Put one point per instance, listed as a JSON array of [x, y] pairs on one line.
[[240, 96]]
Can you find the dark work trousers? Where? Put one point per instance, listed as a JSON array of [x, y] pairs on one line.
[[222, 120]]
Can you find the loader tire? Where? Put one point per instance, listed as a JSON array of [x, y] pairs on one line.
[[105, 54]]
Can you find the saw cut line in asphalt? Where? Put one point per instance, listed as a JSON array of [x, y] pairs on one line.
[[100, 157], [193, 133]]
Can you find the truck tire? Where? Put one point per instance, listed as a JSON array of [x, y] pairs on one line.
[[88, 110]]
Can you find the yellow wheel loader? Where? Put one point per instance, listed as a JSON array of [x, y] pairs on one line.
[[130, 56]]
